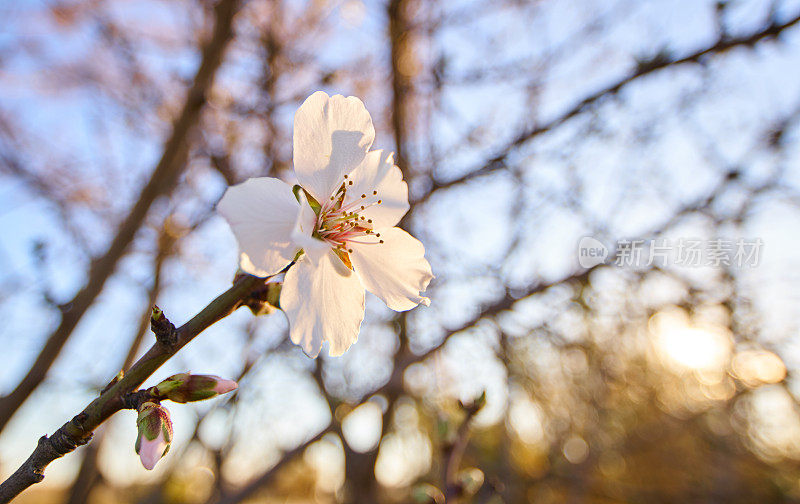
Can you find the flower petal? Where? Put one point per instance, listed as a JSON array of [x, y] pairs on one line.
[[396, 270], [331, 137], [151, 451], [223, 386], [322, 304], [377, 173], [262, 213]]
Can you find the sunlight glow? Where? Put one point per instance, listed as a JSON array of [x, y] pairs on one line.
[[758, 367], [362, 427], [526, 418], [698, 348], [327, 459]]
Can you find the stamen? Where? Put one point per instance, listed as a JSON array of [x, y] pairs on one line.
[[339, 222]]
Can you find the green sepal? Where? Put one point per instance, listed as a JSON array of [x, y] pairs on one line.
[[152, 417], [173, 382], [312, 201]]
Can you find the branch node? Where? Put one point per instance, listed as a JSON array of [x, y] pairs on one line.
[[133, 400], [113, 381], [63, 443], [164, 330]]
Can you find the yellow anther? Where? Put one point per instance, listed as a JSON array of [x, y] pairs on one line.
[[380, 201], [374, 193]]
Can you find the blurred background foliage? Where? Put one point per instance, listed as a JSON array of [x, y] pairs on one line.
[[521, 126]]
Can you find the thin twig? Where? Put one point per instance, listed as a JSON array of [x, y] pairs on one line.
[[455, 452], [499, 161], [78, 431], [163, 181]]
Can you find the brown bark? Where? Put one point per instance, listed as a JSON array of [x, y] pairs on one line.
[[88, 475], [162, 182], [78, 431]]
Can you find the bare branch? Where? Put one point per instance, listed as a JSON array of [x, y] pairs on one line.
[[163, 181], [659, 62], [78, 431], [267, 477]]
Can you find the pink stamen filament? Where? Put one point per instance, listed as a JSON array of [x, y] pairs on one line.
[[340, 226]]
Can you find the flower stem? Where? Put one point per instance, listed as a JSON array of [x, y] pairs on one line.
[[78, 431]]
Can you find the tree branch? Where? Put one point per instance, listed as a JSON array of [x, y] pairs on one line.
[[88, 474], [265, 478], [78, 431], [455, 452], [163, 180], [507, 302], [659, 62]]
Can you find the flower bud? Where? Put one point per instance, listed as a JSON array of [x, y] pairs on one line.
[[155, 433], [186, 387]]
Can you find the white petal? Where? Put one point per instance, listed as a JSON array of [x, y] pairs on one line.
[[377, 173], [396, 270], [262, 213], [303, 229], [331, 137], [322, 305]]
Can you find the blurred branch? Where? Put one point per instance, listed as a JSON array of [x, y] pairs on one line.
[[264, 479], [87, 474], [169, 341], [163, 181], [455, 451], [37, 184], [401, 51], [405, 358], [643, 68]]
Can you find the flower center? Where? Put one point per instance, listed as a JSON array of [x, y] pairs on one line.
[[340, 220]]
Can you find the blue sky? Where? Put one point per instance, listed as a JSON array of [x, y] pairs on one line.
[[627, 184]]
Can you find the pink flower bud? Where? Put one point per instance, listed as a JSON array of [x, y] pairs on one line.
[[224, 386], [155, 433], [185, 387]]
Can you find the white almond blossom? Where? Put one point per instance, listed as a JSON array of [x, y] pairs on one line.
[[343, 220]]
